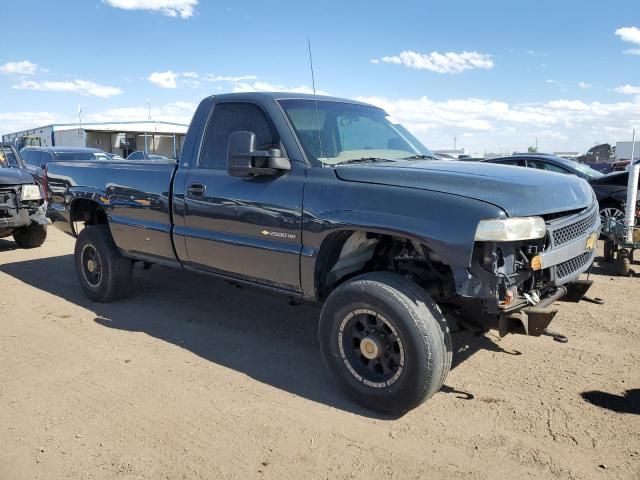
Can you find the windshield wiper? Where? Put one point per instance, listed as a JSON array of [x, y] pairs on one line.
[[364, 160], [420, 157]]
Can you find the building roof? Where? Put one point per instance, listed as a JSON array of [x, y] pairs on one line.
[[149, 126]]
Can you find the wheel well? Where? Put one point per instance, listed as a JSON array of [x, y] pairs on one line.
[[609, 202], [87, 212], [349, 253]]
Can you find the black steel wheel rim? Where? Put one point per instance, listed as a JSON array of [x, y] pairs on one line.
[[91, 265], [371, 348]]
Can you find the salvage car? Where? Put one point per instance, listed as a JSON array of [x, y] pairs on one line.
[[37, 158], [324, 200], [22, 211], [606, 187]]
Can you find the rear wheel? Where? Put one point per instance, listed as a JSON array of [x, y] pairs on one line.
[[385, 341], [104, 274], [31, 236]]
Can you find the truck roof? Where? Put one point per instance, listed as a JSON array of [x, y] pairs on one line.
[[274, 96]]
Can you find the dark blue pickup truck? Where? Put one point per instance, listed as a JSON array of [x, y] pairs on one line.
[[326, 200]]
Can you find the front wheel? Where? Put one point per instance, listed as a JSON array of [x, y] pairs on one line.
[[385, 341], [31, 236], [104, 274]]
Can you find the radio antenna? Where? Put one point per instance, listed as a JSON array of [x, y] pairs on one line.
[[315, 98]]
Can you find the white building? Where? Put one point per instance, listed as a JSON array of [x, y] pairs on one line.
[[154, 137], [623, 150], [454, 152]]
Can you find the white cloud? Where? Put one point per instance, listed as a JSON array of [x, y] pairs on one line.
[[631, 51], [16, 121], [83, 87], [171, 8], [562, 124], [24, 67], [584, 85], [448, 62], [270, 87], [179, 112], [164, 79], [210, 77], [628, 89], [629, 34], [535, 53]]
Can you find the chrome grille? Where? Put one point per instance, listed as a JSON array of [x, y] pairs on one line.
[[570, 266], [575, 230]]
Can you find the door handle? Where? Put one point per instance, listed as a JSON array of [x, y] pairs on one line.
[[196, 190]]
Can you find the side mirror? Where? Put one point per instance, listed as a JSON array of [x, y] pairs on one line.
[[244, 160]]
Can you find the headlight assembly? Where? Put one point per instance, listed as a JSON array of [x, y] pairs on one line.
[[510, 229], [30, 192]]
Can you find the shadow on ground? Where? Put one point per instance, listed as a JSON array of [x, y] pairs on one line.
[[627, 403], [6, 245], [610, 269], [244, 329]]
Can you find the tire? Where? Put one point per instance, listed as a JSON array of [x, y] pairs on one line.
[[31, 236], [609, 250], [404, 323], [104, 274], [624, 263]]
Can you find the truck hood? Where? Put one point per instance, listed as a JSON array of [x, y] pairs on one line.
[[15, 176], [518, 191]]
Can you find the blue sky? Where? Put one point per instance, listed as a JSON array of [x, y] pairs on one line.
[[494, 74]]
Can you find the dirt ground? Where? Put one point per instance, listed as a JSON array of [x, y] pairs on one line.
[[193, 378]]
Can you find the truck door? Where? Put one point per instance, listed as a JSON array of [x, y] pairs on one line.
[[244, 227]]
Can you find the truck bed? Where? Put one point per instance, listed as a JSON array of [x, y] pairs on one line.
[[135, 195]]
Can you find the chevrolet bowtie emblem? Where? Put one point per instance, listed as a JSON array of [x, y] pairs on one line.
[[265, 232]]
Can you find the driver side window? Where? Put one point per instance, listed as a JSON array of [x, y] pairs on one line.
[[233, 117], [549, 167]]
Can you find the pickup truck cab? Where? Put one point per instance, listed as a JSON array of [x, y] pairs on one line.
[[326, 200], [22, 208]]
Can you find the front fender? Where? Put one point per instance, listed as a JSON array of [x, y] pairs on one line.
[[445, 223]]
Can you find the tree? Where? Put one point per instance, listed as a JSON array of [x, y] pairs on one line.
[[532, 150]]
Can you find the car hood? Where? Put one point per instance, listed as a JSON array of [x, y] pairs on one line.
[[518, 191], [15, 176]]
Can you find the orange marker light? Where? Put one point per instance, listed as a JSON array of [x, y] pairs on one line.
[[536, 263]]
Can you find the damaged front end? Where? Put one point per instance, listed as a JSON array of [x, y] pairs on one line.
[[18, 210], [515, 283]]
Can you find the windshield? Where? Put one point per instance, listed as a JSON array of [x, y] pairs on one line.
[[8, 158], [66, 156], [589, 172], [335, 132]]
